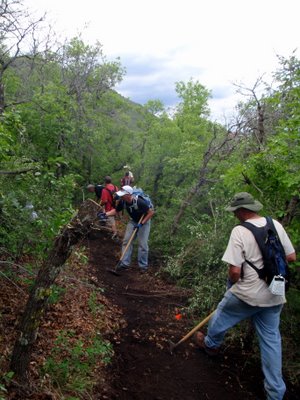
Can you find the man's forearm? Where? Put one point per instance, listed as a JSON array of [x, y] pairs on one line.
[[234, 273], [111, 212], [148, 216]]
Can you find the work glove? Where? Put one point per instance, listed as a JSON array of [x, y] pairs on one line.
[[102, 216], [137, 226]]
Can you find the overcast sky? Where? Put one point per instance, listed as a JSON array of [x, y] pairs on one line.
[[161, 42]]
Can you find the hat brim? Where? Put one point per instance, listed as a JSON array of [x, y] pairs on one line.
[[121, 193], [256, 206]]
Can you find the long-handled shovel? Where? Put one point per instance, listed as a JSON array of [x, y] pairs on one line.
[[115, 271], [188, 335]]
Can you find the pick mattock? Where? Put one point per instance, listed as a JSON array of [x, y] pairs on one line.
[[188, 335], [115, 271]]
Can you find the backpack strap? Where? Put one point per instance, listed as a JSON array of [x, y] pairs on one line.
[[111, 193], [259, 271], [259, 234], [134, 202], [271, 225]]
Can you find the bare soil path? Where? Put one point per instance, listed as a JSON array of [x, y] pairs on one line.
[[144, 368]]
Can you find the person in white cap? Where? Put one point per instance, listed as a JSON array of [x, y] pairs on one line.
[[140, 215]]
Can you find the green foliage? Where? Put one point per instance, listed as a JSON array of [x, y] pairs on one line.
[[11, 135], [30, 217], [290, 326], [73, 361], [94, 305], [208, 290], [194, 101], [56, 293], [200, 259], [81, 256], [4, 382]]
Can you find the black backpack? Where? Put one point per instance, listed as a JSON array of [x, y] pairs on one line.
[[274, 258], [98, 191]]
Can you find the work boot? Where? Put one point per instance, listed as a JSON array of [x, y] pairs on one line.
[[199, 340], [122, 267], [115, 238]]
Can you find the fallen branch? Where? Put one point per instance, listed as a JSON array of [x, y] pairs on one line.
[[154, 294], [18, 172]]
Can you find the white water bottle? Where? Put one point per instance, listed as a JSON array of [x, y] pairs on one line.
[[277, 286]]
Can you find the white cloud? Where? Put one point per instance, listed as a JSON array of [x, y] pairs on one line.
[[164, 41]]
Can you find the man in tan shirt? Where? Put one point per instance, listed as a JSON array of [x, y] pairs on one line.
[[250, 296]]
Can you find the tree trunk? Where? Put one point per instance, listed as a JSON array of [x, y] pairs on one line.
[[213, 149], [261, 124], [157, 177], [291, 210], [1, 97], [71, 234], [184, 204]]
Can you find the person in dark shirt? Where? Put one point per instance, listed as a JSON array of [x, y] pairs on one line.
[[97, 189], [107, 201], [140, 215]]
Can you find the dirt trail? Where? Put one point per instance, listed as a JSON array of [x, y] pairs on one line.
[[143, 368]]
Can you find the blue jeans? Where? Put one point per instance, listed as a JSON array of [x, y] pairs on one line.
[[266, 320], [143, 248]]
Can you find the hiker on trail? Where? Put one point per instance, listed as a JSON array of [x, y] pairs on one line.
[[107, 196], [249, 296], [97, 189], [140, 215], [108, 202], [127, 180]]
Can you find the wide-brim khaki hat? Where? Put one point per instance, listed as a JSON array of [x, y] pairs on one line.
[[244, 200]]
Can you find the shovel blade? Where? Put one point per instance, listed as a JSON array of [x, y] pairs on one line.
[[113, 271], [172, 347]]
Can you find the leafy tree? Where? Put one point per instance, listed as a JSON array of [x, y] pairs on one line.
[[18, 40]]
